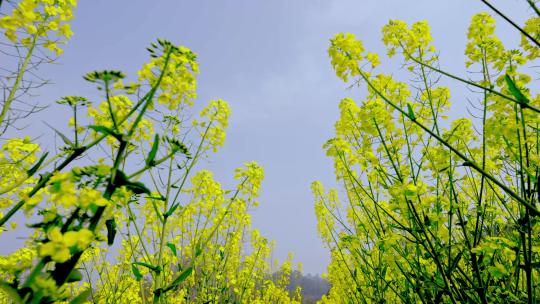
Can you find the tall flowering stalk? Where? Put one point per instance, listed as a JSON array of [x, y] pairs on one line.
[[434, 211], [127, 171], [35, 31]]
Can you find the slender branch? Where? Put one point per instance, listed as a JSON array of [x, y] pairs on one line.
[[531, 38], [470, 162], [526, 106], [109, 104], [146, 100], [11, 97], [534, 7]]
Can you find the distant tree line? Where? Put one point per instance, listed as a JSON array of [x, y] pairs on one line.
[[313, 286]]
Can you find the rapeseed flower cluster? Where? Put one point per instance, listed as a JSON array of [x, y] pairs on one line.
[[212, 236], [176, 79], [345, 52], [126, 175], [33, 20], [433, 210], [58, 245]]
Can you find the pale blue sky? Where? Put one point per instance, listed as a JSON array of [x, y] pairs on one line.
[[268, 59]]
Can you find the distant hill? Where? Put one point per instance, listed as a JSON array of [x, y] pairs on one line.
[[313, 286]]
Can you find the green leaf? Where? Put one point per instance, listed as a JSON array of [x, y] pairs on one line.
[[156, 269], [56, 186], [11, 292], [171, 210], [444, 169], [410, 112], [152, 155], [111, 231], [157, 294], [173, 248], [106, 131], [221, 254], [181, 278], [533, 177], [455, 262], [427, 221], [35, 167], [515, 91], [198, 249], [74, 276], [467, 164], [410, 193], [136, 187], [82, 297], [136, 272], [347, 238], [64, 138]]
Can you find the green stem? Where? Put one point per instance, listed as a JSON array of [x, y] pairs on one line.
[[139, 234], [163, 229], [35, 272], [42, 182], [146, 167], [11, 97], [151, 94], [62, 270], [75, 125], [147, 98], [522, 31], [429, 94], [526, 106], [470, 162], [188, 170], [534, 7], [474, 261]]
